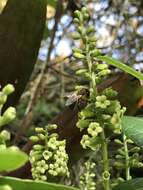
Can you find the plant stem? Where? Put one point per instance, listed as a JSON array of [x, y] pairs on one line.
[[128, 176], [89, 63], [1, 109], [105, 161]]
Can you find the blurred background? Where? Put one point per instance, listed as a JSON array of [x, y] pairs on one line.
[[119, 31]]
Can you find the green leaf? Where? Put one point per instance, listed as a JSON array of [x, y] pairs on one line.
[[11, 159], [5, 187], [121, 66], [133, 129], [134, 184], [19, 184]]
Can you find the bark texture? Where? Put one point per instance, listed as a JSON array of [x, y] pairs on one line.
[[21, 29]]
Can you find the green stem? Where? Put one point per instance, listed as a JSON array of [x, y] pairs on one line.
[[1, 109], [128, 176], [89, 63], [104, 144]]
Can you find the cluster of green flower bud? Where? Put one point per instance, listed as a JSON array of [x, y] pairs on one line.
[[105, 112], [110, 110], [49, 158], [87, 179], [5, 118], [81, 18], [102, 107], [10, 114], [90, 140], [4, 136], [101, 71], [88, 54], [133, 155]]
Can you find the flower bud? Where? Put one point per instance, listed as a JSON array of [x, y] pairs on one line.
[[135, 156], [104, 72], [81, 71], [47, 154], [86, 16], [90, 29], [38, 147], [3, 98], [118, 141], [5, 135], [99, 129], [106, 175], [102, 66], [84, 10], [85, 141], [77, 50], [43, 178], [80, 29], [77, 14], [130, 141], [76, 20], [135, 149], [34, 138], [102, 102], [8, 89], [122, 152], [76, 36], [54, 135], [138, 165], [118, 156], [119, 165], [41, 136], [13, 148], [39, 130], [51, 127], [82, 124], [78, 55], [8, 116], [92, 39], [95, 53]]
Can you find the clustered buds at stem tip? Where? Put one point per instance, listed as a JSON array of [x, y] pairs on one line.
[[49, 158]]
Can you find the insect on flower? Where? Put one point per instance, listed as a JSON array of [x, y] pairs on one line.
[[78, 98]]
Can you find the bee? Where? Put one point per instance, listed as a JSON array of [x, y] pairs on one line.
[[78, 98]]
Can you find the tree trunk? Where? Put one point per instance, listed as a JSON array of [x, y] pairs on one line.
[[21, 29]]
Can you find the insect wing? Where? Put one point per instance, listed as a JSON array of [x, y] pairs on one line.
[[72, 98]]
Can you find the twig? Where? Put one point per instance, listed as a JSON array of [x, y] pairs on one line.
[[62, 73]]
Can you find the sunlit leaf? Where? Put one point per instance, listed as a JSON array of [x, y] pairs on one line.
[[19, 184], [11, 159], [133, 129], [121, 66], [134, 184]]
